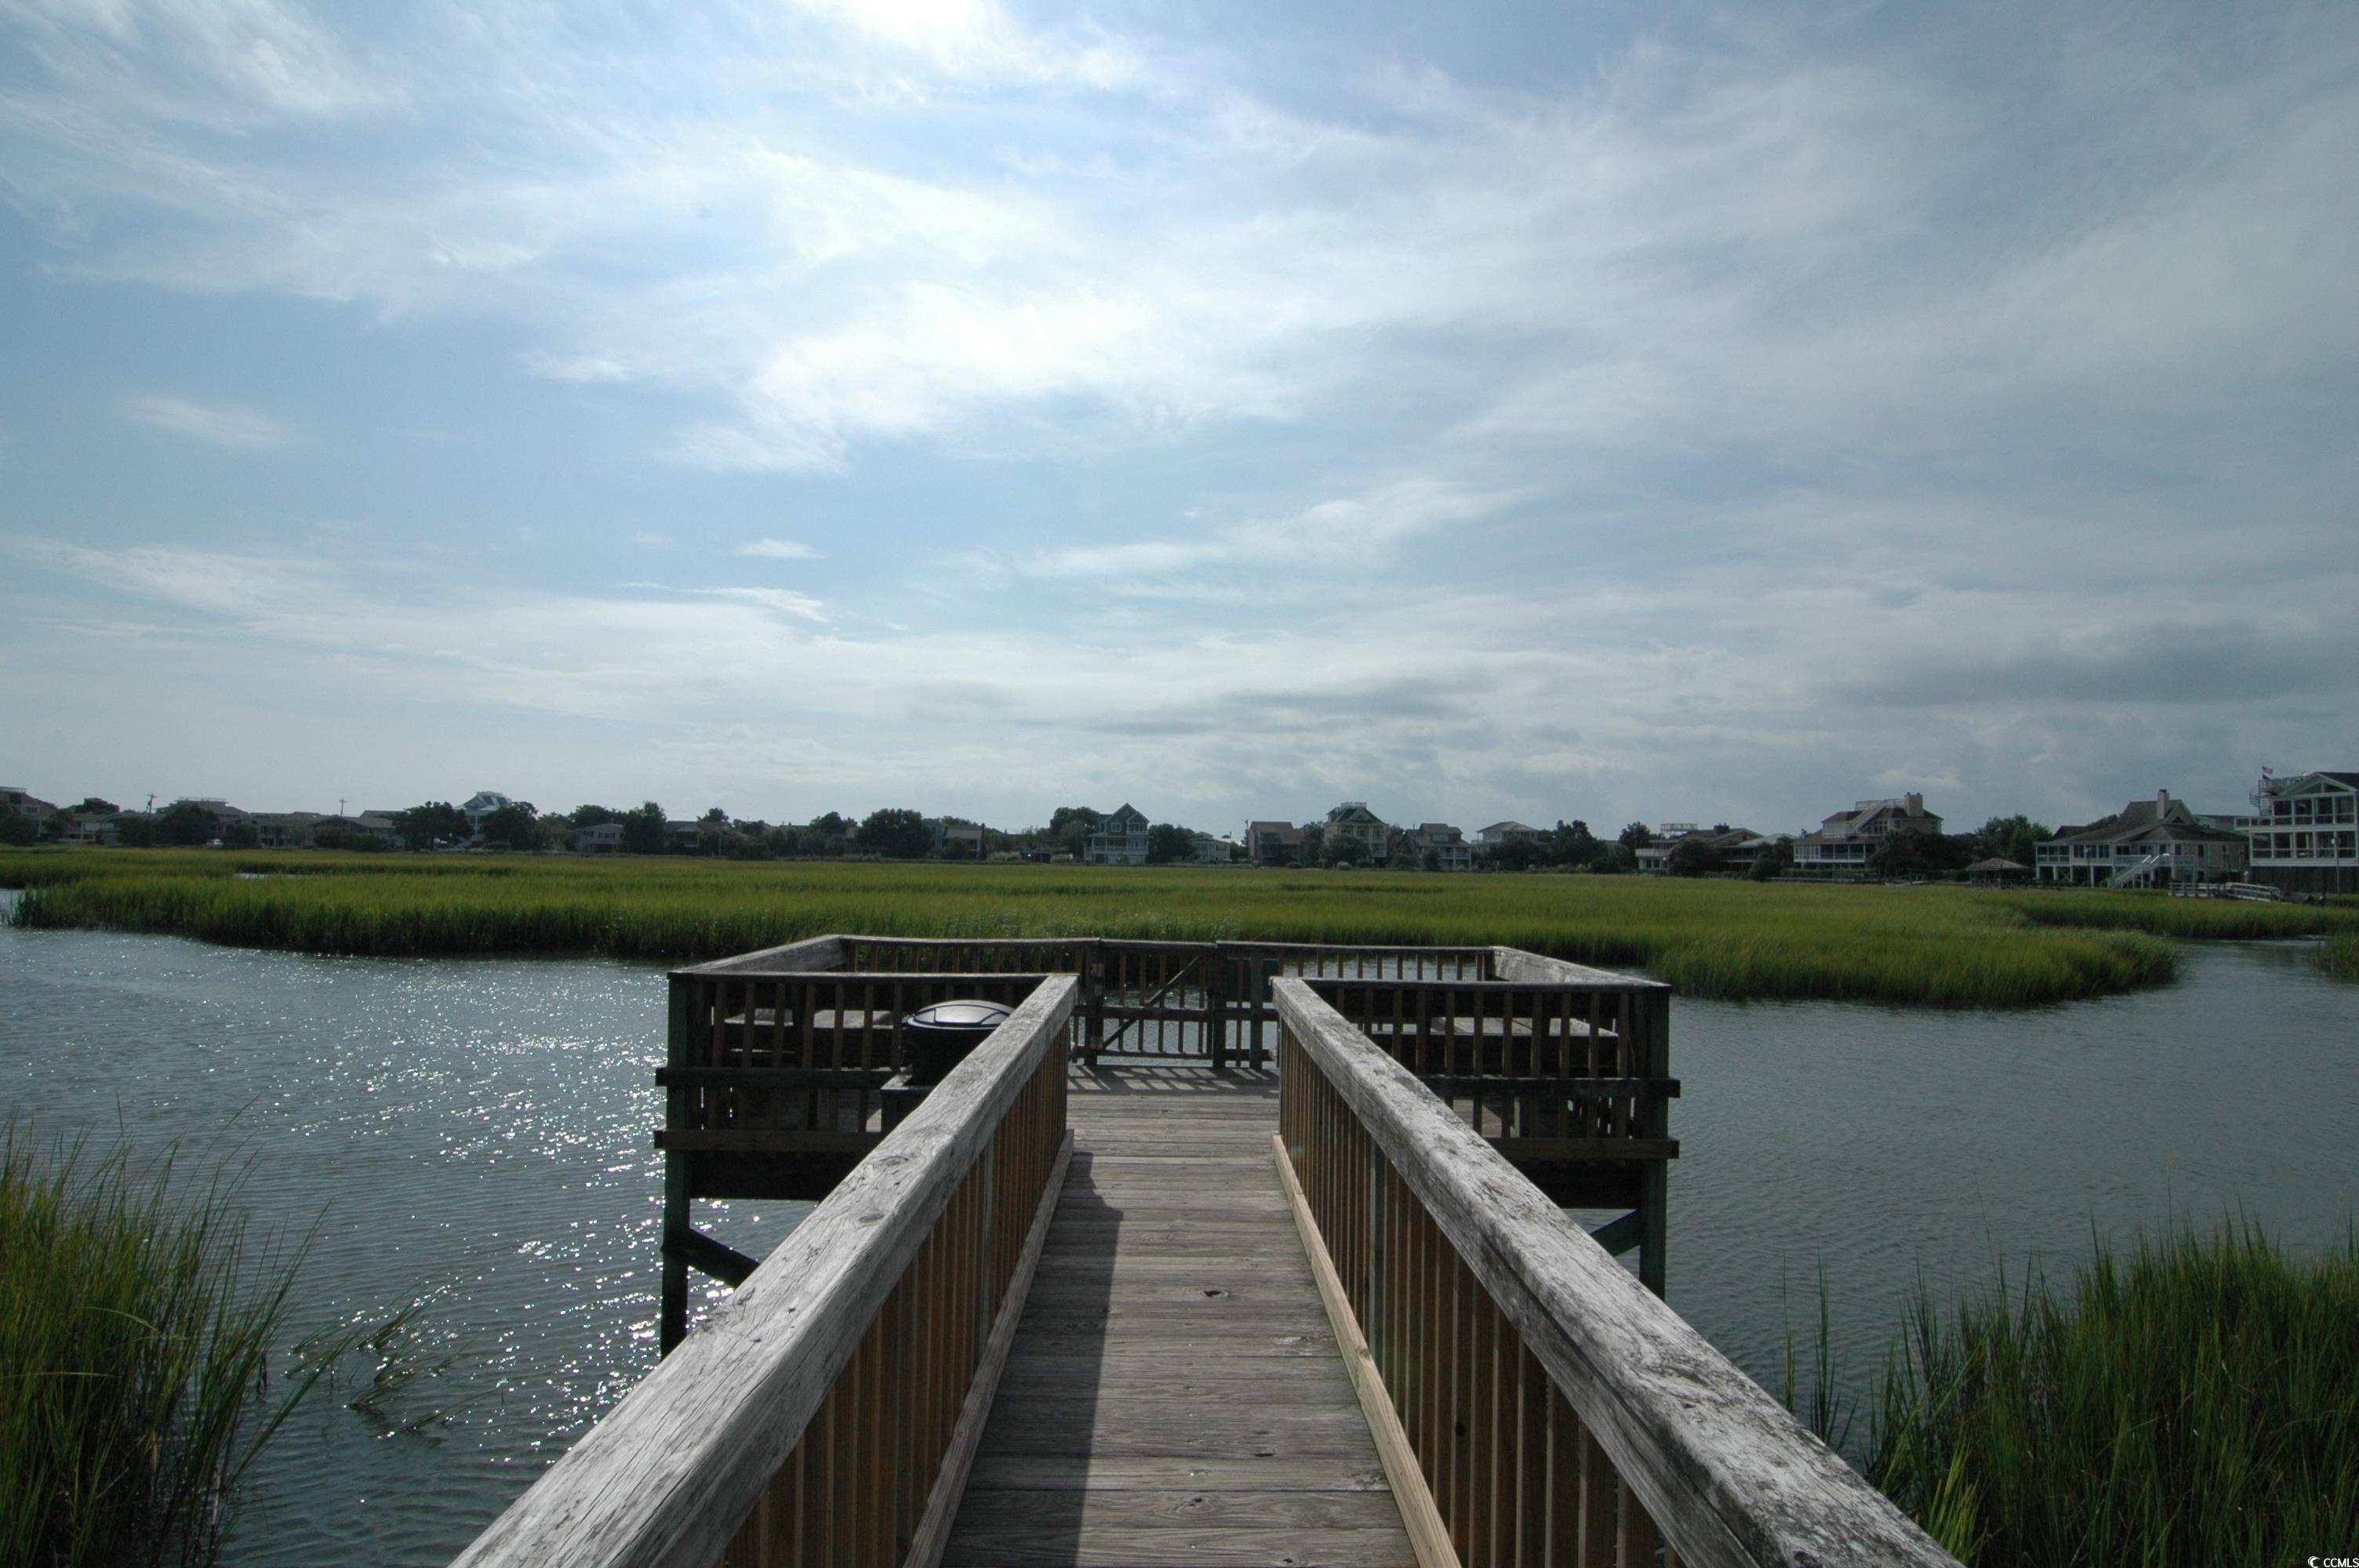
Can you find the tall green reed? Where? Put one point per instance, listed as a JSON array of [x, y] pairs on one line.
[[137, 1321], [2339, 956], [2196, 1405]]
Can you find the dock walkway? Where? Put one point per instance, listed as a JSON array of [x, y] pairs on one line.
[[1174, 1393]]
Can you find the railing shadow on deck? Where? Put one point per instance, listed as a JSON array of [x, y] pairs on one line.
[[1551, 1409], [826, 1413]]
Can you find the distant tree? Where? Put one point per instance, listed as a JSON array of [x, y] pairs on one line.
[[1636, 837], [435, 822], [57, 824], [594, 815], [1775, 859], [1342, 850], [1912, 854], [1611, 860], [185, 823], [643, 829], [135, 831], [1167, 845], [93, 807], [1572, 844], [2016, 838], [897, 833], [1509, 855], [1071, 827], [18, 831], [510, 827], [237, 835], [1430, 861], [1692, 856]]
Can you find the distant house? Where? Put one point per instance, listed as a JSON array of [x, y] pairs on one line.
[[606, 839], [94, 827], [2302, 834], [1441, 840], [2145, 843], [1119, 839], [686, 837], [956, 838], [1353, 822], [1273, 843], [1500, 833], [1211, 850], [1737, 847], [374, 828], [1845, 841], [286, 829], [480, 805], [31, 807]]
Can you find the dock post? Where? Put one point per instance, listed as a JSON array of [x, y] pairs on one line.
[[1093, 998], [1216, 1009], [672, 1319], [1654, 1182]]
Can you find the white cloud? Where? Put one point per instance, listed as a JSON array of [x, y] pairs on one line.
[[1355, 535], [224, 64], [222, 423], [801, 606], [1674, 698], [777, 550], [977, 39]]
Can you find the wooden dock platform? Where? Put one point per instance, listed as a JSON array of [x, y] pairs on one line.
[[1212, 1253], [1174, 1394]]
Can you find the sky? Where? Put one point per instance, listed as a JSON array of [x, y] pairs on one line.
[[1612, 411]]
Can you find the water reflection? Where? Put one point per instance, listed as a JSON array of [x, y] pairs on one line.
[[474, 1135]]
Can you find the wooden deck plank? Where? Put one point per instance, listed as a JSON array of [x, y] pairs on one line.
[[1175, 1393]]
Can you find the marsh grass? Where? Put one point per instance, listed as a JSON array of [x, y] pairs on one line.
[[137, 1322], [2339, 956], [2196, 1405], [1936, 945]]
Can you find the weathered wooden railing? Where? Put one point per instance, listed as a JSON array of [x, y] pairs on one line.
[[827, 1412], [774, 1086], [1534, 1403], [1183, 1001], [1566, 1072]]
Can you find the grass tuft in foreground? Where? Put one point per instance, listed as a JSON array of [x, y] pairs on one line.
[[136, 1330], [2195, 1406]]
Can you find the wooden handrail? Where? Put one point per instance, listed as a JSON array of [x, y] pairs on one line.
[[795, 958], [1515, 964], [909, 1273], [1489, 1313]]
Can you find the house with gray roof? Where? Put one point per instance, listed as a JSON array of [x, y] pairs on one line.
[[1846, 841], [1120, 839], [2147, 843]]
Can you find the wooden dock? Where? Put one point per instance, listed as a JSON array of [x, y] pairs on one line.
[[1174, 1393], [1212, 1253]]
